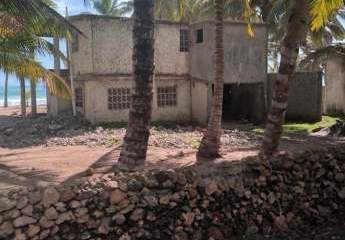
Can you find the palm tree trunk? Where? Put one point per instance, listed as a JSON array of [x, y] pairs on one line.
[[22, 96], [134, 148], [6, 90], [33, 99], [210, 144], [296, 31]]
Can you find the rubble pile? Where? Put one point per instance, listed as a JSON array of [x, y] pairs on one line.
[[64, 130], [188, 203]]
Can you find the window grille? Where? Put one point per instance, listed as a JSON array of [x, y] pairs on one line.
[[166, 96], [119, 98], [184, 40]]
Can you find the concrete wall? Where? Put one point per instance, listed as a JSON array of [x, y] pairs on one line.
[[334, 101], [96, 100], [200, 101], [305, 99], [245, 57], [108, 47], [82, 59]]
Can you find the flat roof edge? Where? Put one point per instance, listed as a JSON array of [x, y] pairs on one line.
[[95, 16]]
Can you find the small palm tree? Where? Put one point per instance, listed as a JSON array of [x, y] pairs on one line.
[[133, 152], [21, 25], [210, 143]]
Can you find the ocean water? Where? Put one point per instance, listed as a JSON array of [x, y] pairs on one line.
[[14, 94]]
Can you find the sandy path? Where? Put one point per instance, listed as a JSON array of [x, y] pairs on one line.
[[27, 166]]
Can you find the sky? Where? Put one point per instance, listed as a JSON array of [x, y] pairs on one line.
[[75, 7]]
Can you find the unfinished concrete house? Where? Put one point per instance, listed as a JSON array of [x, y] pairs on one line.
[[102, 70]]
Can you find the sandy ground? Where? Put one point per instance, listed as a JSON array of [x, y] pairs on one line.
[[27, 166]]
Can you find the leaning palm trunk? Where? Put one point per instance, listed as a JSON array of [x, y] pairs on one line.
[[210, 143], [296, 31], [134, 148], [6, 90], [22, 96], [33, 99]]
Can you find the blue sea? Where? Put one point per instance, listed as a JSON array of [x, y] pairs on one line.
[[14, 94]]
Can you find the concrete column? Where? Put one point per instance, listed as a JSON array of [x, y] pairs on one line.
[[56, 104]]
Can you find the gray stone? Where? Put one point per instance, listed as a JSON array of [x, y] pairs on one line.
[[51, 213], [119, 219], [23, 221], [45, 222], [28, 210], [64, 217], [67, 195], [34, 197], [44, 234], [137, 214], [33, 230], [6, 204], [50, 197], [75, 204], [104, 227], [135, 185], [14, 213], [211, 187], [19, 235], [6, 229], [117, 196], [340, 177], [22, 202]]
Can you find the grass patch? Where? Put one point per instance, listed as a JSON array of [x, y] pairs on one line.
[[195, 143], [305, 128]]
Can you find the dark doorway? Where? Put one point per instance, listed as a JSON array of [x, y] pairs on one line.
[[243, 102]]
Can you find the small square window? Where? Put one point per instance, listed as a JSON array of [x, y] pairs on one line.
[[184, 40], [79, 99], [199, 36], [119, 98], [166, 96]]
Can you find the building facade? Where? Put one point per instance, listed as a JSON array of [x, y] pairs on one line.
[[184, 60]]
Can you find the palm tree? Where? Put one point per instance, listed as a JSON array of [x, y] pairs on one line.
[[113, 7], [6, 90], [295, 35], [33, 98], [210, 143], [22, 96], [21, 25], [133, 152]]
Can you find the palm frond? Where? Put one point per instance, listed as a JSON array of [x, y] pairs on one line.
[[321, 10]]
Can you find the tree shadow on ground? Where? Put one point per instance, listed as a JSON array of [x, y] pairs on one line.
[[17, 132]]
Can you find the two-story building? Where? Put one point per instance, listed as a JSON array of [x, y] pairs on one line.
[[184, 68]]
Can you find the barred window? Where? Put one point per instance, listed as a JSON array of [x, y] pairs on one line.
[[184, 40], [79, 100], [166, 96], [119, 98], [75, 41]]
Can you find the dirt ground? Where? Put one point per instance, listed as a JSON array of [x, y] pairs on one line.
[[43, 163]]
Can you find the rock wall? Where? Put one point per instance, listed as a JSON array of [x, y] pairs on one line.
[[192, 203]]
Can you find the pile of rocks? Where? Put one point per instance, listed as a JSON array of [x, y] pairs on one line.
[[183, 204], [65, 130]]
